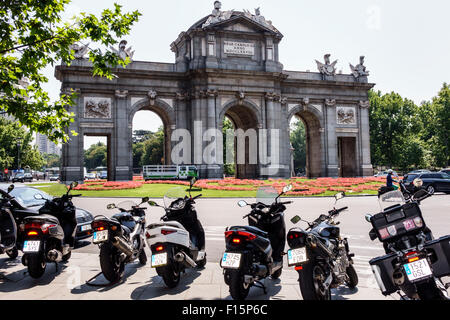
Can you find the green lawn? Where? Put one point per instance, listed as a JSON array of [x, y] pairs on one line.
[[158, 191]]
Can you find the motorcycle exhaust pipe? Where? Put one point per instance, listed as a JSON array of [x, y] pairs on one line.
[[54, 255], [261, 270], [122, 246], [184, 258], [398, 277]]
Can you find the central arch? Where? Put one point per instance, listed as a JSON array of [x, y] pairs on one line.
[[312, 120], [245, 116], [167, 116]]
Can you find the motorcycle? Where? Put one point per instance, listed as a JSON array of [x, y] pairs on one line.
[[321, 256], [255, 252], [8, 227], [49, 236], [178, 242], [414, 262], [120, 238]]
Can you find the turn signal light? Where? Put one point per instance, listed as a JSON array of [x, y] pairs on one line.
[[167, 231], [298, 268], [413, 259]]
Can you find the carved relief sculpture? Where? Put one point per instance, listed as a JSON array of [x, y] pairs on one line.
[[123, 52], [97, 108], [327, 68], [346, 115], [359, 70]]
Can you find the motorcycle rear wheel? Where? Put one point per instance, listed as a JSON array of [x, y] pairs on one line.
[[238, 288], [352, 277], [311, 283], [13, 253], [112, 268], [36, 265], [143, 257], [170, 276]]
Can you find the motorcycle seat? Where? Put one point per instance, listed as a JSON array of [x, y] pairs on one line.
[[42, 217], [251, 229]]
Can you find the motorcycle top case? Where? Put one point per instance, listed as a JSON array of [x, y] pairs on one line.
[[398, 221]]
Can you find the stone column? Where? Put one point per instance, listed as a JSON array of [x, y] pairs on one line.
[[366, 167], [271, 169], [72, 162], [214, 170], [332, 161], [122, 140]]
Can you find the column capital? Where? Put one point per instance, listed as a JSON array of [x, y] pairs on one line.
[[364, 104], [121, 93], [271, 96], [181, 96], [330, 102], [211, 93]]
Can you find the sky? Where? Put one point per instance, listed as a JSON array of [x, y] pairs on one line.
[[406, 44]]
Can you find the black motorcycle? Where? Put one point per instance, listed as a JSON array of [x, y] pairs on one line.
[[49, 236], [8, 227], [414, 262], [120, 238], [255, 252], [321, 256]]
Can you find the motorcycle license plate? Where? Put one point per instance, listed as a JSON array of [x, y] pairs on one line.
[[417, 270], [231, 260], [86, 227], [100, 236], [31, 246], [296, 256], [159, 259]]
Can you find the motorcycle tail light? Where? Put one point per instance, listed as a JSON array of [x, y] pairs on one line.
[[167, 231], [99, 225], [159, 248], [412, 256], [32, 233], [246, 235], [236, 240]]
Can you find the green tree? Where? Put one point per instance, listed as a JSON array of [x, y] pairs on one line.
[[153, 148], [95, 156], [228, 168], [10, 134], [298, 141], [393, 123], [51, 160], [34, 36], [435, 131]]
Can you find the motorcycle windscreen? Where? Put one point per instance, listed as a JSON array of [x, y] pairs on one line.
[[171, 197], [266, 195], [391, 199]]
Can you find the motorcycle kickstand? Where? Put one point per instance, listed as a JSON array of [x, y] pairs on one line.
[[259, 284], [88, 282]]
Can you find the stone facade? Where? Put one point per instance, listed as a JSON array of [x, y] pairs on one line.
[[226, 64]]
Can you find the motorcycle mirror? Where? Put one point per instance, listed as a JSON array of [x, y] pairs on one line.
[[368, 217], [74, 184], [38, 196], [295, 219], [145, 199], [418, 182], [339, 195], [152, 203], [111, 206], [242, 203], [287, 188], [10, 188]]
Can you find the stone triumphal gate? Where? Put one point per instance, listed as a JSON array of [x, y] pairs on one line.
[[226, 64]]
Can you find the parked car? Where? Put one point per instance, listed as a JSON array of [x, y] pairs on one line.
[[23, 177], [90, 176], [103, 175], [419, 171], [384, 173], [447, 171], [25, 196], [54, 177], [38, 175], [3, 177], [432, 181]]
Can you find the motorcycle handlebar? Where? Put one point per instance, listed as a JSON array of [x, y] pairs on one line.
[[197, 196], [75, 195], [285, 202]]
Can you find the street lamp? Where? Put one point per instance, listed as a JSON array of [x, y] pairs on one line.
[[19, 143]]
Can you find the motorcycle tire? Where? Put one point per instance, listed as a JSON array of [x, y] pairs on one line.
[[310, 279], [238, 288], [142, 257], [352, 277], [36, 265], [277, 274], [171, 277], [429, 291], [112, 268], [13, 253]]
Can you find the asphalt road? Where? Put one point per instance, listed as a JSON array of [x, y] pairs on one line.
[[141, 282]]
